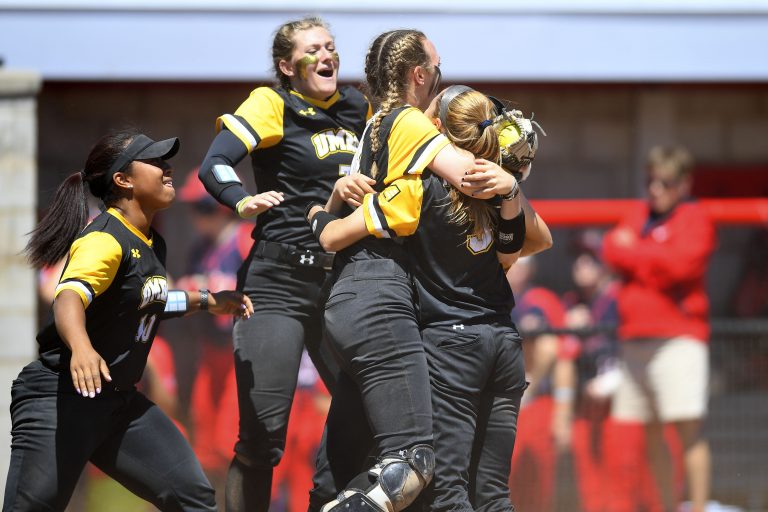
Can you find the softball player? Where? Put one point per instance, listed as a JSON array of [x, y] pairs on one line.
[[454, 236], [473, 348], [301, 137], [385, 383], [78, 401]]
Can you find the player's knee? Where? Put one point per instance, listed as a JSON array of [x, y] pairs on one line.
[[396, 482], [403, 479], [188, 490], [258, 455]]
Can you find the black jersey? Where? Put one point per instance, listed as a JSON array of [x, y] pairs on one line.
[[409, 143], [458, 276], [299, 146], [120, 277]]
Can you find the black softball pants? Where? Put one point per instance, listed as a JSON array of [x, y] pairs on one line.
[[56, 432], [477, 380], [381, 404], [287, 302]]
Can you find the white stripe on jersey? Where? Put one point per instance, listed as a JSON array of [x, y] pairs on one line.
[[76, 284], [236, 126], [420, 164], [376, 221]]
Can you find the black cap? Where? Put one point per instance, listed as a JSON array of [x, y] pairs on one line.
[[144, 148]]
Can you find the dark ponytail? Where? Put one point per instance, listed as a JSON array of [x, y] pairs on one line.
[[68, 214], [62, 222]]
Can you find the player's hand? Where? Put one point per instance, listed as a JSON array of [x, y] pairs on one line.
[[486, 180], [352, 188], [230, 302], [253, 205], [87, 368]]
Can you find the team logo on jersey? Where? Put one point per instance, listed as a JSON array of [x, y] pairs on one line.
[[332, 141], [480, 244], [390, 193], [155, 289], [309, 112], [135, 253]]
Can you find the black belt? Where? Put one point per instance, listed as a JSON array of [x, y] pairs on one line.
[[286, 253]]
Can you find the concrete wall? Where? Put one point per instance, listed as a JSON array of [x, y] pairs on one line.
[[18, 203]]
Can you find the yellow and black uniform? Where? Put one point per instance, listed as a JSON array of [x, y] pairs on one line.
[[299, 146], [474, 354], [119, 275], [409, 143], [458, 276], [371, 320]]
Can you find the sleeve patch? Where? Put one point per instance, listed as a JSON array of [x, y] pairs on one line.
[[225, 174], [396, 210]]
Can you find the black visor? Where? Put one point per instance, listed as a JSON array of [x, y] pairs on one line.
[[144, 148]]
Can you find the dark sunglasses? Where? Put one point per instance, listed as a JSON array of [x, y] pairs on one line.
[[666, 184], [436, 81]]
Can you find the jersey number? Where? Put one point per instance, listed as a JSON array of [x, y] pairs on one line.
[[145, 328]]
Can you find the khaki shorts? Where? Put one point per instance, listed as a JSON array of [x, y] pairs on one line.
[[663, 380]]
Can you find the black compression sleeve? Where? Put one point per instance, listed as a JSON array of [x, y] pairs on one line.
[[216, 171]]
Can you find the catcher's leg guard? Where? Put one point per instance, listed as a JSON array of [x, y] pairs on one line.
[[396, 482]]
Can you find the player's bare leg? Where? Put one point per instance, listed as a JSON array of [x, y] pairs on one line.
[[661, 463], [697, 462]]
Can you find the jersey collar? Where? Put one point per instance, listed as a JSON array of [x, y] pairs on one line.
[[324, 104], [130, 226]]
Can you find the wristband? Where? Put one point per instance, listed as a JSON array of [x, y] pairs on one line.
[[177, 304], [240, 205], [512, 193], [511, 234], [311, 205], [204, 299], [320, 221]]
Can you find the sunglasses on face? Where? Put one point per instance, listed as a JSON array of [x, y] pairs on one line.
[[665, 184], [436, 81]]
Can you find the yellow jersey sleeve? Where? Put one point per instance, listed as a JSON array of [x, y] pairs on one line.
[[258, 121], [396, 210], [92, 266], [413, 143]]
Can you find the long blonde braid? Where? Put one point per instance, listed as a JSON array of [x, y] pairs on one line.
[[389, 59]]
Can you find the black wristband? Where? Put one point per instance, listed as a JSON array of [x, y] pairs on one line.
[[320, 221], [311, 205], [511, 234], [204, 299]]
